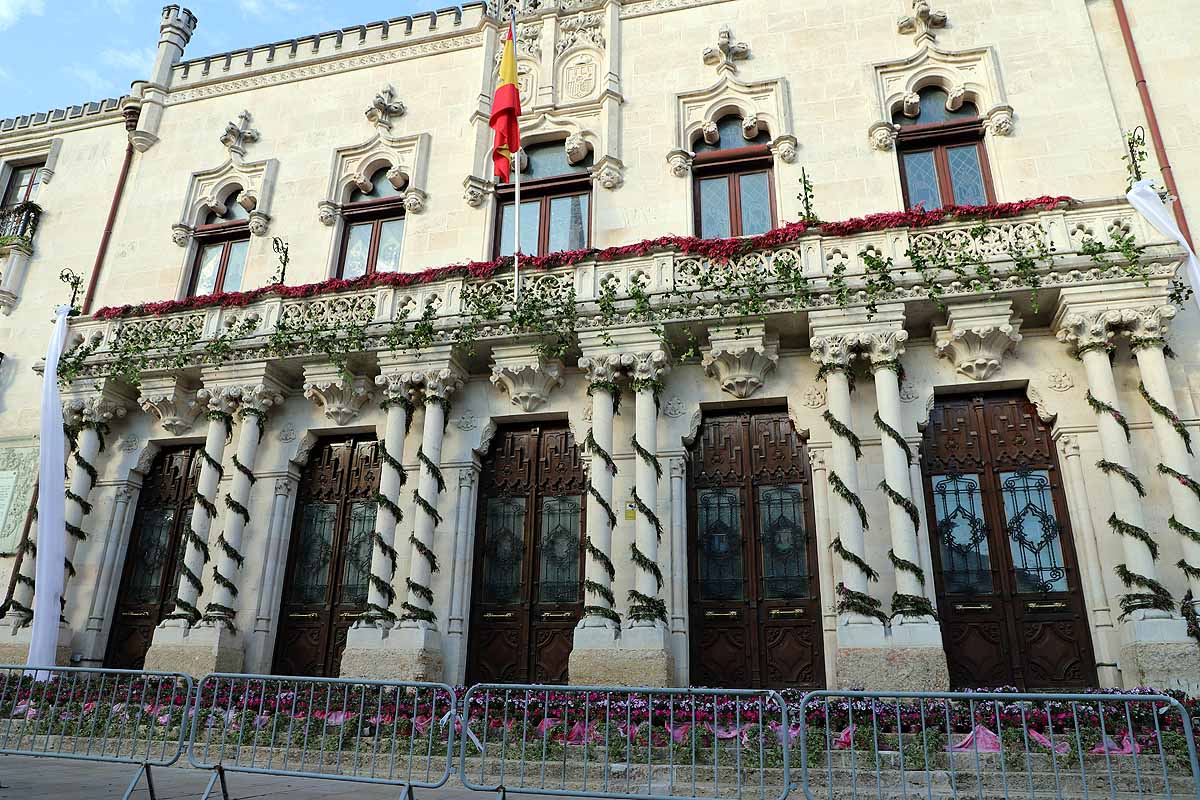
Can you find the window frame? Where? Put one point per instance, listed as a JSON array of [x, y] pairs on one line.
[[225, 234], [733, 163], [14, 170], [376, 212], [937, 138], [543, 190]]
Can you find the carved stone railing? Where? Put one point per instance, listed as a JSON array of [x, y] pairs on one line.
[[1063, 244]]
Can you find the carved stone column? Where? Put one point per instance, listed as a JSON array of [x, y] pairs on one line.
[[1147, 331], [677, 467], [1155, 645], [460, 569]]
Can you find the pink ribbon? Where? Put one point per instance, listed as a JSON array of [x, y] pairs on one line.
[[982, 740]]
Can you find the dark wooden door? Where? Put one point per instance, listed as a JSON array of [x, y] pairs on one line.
[[329, 560], [755, 594], [1004, 564], [150, 579], [529, 545]]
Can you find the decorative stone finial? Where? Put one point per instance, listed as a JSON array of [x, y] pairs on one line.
[[237, 136], [727, 52], [922, 22], [384, 107]]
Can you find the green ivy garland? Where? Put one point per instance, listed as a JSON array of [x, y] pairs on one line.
[[244, 470], [227, 418], [1113, 468], [827, 368], [1183, 530], [1188, 610], [603, 560], [613, 389], [843, 430], [646, 455], [911, 605], [590, 445], [1155, 597], [230, 551], [644, 607], [612, 517], [1123, 528], [642, 508], [427, 507], [600, 590], [434, 470], [644, 563], [850, 497], [839, 548], [852, 602], [79, 501], [1101, 407], [906, 565], [1168, 415], [1186, 481], [895, 436], [906, 505]]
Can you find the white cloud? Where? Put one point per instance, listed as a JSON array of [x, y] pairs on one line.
[[261, 8], [13, 10], [93, 80], [136, 60]]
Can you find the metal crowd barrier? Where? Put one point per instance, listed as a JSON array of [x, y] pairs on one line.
[[987, 745], [638, 744], [86, 714], [382, 732]]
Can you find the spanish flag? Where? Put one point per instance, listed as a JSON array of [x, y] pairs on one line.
[[506, 108]]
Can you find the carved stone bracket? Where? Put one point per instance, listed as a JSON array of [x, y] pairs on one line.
[[528, 377], [977, 337], [740, 357], [341, 396], [882, 135], [838, 337], [172, 399]]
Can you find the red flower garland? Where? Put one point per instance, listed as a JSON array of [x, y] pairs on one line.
[[715, 249]]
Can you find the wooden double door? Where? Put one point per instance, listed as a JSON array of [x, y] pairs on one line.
[[150, 579], [755, 611], [527, 593], [1006, 573], [329, 559]]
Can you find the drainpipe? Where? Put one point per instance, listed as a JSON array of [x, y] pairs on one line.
[[1160, 150], [131, 113]]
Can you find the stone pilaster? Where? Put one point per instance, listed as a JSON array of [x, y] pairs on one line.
[[1155, 647]]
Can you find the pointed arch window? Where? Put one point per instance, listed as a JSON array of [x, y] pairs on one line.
[[941, 154], [222, 244], [373, 238], [733, 182]]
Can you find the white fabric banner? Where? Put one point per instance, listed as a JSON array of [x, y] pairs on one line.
[[1145, 199], [51, 506]]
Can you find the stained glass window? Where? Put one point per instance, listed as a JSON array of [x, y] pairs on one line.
[[310, 581], [719, 538], [356, 564], [755, 192], [358, 250], [966, 176], [558, 556], [920, 174], [1034, 534], [504, 550], [568, 223], [962, 534], [714, 208], [391, 236], [207, 268], [235, 265], [784, 542]]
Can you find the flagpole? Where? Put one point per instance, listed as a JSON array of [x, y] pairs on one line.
[[516, 168]]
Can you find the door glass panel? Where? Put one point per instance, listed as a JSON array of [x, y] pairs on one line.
[[530, 224], [356, 565], [755, 195], [784, 542], [921, 177], [568, 223], [150, 558], [962, 534], [714, 208], [1033, 531], [207, 267], [235, 266], [558, 556], [358, 248], [310, 580], [504, 550], [966, 176], [719, 531], [391, 237]]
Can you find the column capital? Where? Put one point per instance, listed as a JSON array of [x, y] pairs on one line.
[[341, 395], [977, 336], [838, 335], [650, 365], [171, 397], [95, 401], [436, 370], [740, 357], [883, 347], [605, 354], [1147, 326], [255, 386], [527, 375], [1087, 318]]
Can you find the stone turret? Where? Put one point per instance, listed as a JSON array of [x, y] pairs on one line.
[[175, 31]]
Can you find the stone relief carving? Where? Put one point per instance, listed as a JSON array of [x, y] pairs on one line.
[[813, 397], [340, 399], [580, 76], [18, 475], [922, 22], [466, 422], [529, 380], [287, 433], [529, 41], [129, 443], [1059, 381], [173, 401], [674, 407], [908, 394], [384, 108], [741, 358], [977, 337], [1044, 413], [239, 134], [725, 55], [582, 30], [882, 135]]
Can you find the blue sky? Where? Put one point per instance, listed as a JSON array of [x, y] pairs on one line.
[[56, 53]]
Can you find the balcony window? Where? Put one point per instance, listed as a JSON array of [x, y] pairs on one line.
[[556, 201], [22, 185], [373, 238], [732, 183], [942, 159], [222, 243]]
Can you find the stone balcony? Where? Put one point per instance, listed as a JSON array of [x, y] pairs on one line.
[[18, 225], [1025, 258]]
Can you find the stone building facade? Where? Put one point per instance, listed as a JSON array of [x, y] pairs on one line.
[[907, 451]]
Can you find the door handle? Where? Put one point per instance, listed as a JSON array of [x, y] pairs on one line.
[[493, 615], [787, 612], [972, 606], [556, 615], [312, 615], [351, 614], [1046, 605], [135, 613], [720, 614]]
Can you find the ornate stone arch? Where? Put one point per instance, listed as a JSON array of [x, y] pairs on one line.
[[405, 157], [762, 105], [965, 75], [210, 190]]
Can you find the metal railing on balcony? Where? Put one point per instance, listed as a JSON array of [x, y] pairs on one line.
[[19, 221]]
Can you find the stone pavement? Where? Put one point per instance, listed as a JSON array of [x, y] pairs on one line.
[[26, 778]]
